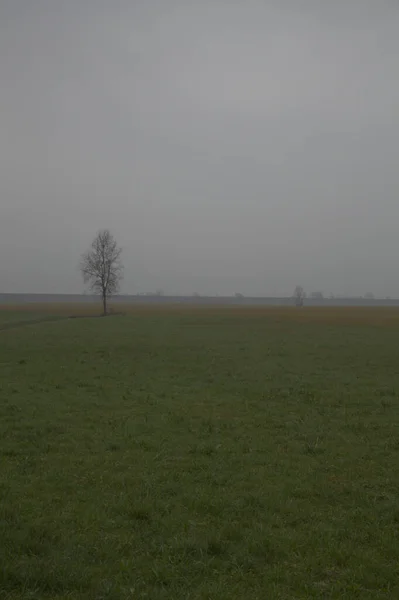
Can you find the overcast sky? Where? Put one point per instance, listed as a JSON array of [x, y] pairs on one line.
[[230, 146]]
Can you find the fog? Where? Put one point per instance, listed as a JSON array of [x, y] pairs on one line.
[[229, 146]]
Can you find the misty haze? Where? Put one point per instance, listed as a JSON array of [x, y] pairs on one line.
[[230, 147], [199, 300]]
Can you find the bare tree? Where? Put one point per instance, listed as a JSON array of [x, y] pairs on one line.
[[101, 266], [299, 295]]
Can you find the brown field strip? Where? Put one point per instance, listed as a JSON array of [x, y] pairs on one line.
[[332, 315]]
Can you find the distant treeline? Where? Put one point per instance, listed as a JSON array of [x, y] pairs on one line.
[[238, 299]]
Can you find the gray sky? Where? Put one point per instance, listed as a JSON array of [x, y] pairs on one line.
[[229, 146]]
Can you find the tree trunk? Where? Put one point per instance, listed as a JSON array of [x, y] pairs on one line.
[[104, 304]]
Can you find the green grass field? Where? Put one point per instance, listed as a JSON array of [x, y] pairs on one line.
[[212, 454]]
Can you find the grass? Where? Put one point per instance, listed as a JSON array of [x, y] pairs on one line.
[[186, 453]]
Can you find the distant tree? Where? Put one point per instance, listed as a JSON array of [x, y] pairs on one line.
[[299, 296], [101, 266], [317, 295], [159, 293], [239, 296], [369, 296]]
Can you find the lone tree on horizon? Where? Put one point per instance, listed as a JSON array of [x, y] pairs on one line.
[[101, 266], [299, 296]]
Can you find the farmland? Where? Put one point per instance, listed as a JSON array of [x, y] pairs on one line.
[[173, 452]]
